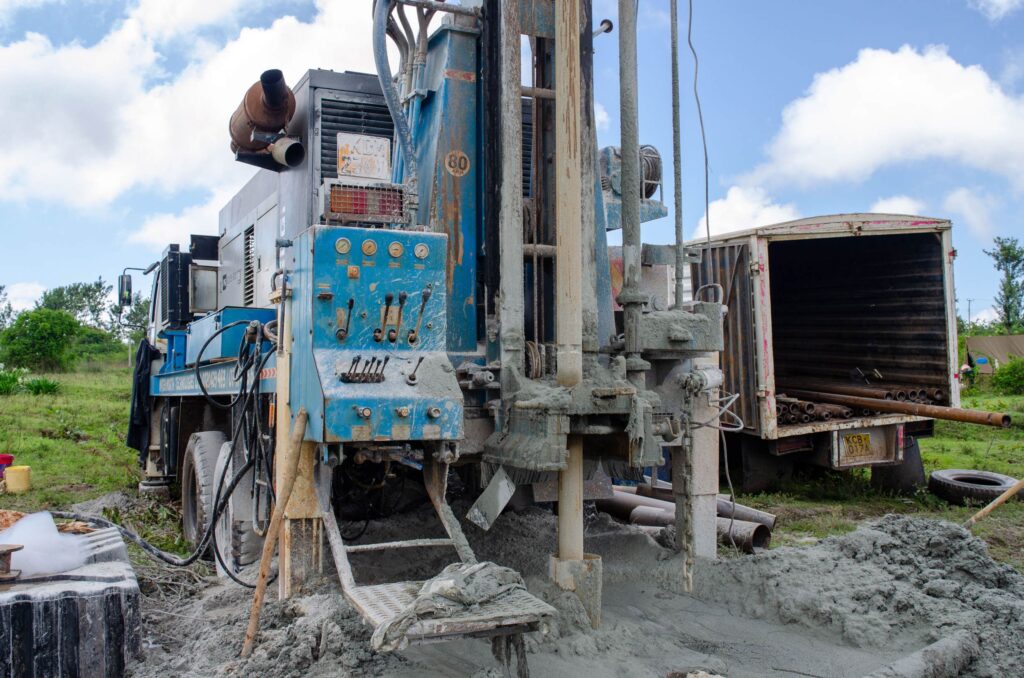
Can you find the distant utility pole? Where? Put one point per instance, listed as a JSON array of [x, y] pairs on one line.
[[969, 310]]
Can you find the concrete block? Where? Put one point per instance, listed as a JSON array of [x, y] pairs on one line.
[[84, 622]]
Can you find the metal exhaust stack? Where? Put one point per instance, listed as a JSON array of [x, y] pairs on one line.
[[264, 112]]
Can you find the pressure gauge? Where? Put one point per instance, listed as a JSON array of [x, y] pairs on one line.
[[421, 251], [342, 245], [396, 249], [369, 247]]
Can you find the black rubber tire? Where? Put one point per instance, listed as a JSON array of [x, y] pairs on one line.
[[958, 485], [905, 478], [197, 480], [239, 545]]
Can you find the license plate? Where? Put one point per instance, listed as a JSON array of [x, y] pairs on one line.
[[857, 445]]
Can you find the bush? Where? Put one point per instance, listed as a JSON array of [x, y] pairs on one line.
[[40, 340], [10, 381], [1009, 378], [41, 386], [91, 344]]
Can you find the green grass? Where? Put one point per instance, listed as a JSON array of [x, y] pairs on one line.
[[822, 504], [73, 440]]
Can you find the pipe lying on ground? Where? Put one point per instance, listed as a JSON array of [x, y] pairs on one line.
[[749, 537], [917, 409], [944, 658], [663, 494], [622, 504]]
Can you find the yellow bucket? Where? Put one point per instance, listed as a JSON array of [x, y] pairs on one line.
[[18, 478]]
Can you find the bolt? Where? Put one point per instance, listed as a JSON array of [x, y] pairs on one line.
[[402, 411], [433, 412], [362, 412]]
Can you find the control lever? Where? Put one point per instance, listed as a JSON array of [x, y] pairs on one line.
[[415, 334], [411, 379], [393, 334], [342, 332], [378, 334]]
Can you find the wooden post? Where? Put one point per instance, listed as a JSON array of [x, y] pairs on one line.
[[288, 462], [298, 556]]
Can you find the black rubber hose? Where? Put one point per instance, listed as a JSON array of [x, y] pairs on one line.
[[199, 360], [164, 556]]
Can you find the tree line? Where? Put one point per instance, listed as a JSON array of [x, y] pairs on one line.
[[68, 324]]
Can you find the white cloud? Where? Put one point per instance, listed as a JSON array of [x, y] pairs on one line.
[[160, 229], [162, 19], [102, 127], [742, 208], [601, 119], [985, 315], [996, 9], [888, 108], [974, 208], [23, 295], [899, 204]]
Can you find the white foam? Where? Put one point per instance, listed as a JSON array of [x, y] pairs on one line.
[[46, 551]]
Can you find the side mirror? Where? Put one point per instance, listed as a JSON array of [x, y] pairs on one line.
[[124, 290]]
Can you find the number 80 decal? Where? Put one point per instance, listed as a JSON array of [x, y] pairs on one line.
[[457, 163]]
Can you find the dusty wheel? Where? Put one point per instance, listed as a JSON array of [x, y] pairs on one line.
[[238, 543], [197, 482], [957, 485]]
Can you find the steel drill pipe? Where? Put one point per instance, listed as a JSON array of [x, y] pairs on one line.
[[916, 409], [663, 494], [836, 387], [749, 537]]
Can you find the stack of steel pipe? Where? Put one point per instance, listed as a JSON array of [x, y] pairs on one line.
[[748, 528], [907, 407], [794, 410]]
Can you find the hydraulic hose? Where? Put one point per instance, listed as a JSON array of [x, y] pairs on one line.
[[381, 11]]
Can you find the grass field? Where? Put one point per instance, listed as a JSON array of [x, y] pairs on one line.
[[74, 443], [74, 440]]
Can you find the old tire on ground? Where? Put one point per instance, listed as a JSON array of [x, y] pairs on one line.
[[958, 485], [197, 483]]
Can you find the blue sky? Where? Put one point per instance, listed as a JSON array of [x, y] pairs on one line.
[[119, 113]]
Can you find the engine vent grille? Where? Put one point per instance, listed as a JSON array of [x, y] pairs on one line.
[[353, 117], [249, 267]]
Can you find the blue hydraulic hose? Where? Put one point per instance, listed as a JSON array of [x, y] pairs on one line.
[[387, 86]]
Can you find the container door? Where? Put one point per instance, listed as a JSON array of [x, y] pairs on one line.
[[729, 266]]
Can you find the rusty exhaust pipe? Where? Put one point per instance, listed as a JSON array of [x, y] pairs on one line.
[[288, 152], [267, 107]]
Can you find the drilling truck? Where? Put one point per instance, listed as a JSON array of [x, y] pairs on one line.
[[414, 285]]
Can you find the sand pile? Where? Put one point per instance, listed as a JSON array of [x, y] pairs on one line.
[[897, 582], [844, 607]]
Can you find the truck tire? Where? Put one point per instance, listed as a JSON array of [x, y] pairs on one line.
[[905, 478], [197, 483], [237, 542], [958, 485]]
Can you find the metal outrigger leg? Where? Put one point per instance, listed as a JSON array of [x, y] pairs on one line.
[[503, 621]]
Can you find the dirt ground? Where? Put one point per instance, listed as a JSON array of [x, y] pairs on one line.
[[843, 607]]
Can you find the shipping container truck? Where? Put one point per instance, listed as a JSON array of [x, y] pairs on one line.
[[855, 304]]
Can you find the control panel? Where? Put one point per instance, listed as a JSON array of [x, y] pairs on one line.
[[375, 323]]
